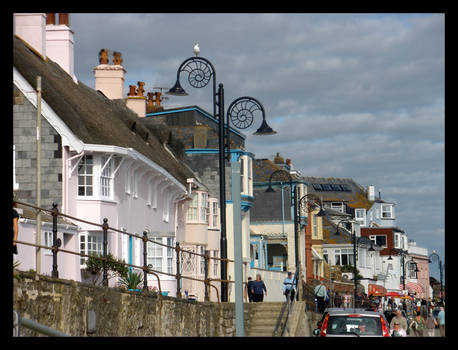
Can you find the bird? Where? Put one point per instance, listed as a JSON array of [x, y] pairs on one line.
[[196, 49]]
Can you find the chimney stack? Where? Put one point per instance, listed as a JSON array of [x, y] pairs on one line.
[[135, 99], [60, 43], [31, 27], [109, 78], [371, 193]]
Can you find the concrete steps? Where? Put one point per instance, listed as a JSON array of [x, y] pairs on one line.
[[262, 319]]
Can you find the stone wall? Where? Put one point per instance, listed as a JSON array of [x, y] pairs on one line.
[[80, 309], [84, 310]]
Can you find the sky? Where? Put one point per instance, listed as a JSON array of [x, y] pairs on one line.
[[356, 96]]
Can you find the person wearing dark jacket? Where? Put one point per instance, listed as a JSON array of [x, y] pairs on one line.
[[257, 289]]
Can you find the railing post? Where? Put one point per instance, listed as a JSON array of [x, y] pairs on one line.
[[105, 245], [55, 241], [145, 262], [178, 275], [206, 269]]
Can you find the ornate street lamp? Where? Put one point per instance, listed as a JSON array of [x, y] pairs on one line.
[[200, 71], [435, 256]]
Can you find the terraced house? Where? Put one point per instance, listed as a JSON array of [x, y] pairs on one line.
[[100, 158]]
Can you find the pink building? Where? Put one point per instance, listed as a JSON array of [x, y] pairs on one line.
[[106, 161]]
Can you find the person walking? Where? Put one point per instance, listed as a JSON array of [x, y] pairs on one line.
[[289, 286], [248, 288], [338, 300], [258, 288], [320, 295], [431, 324], [397, 331], [441, 317], [418, 325], [400, 320], [347, 300]]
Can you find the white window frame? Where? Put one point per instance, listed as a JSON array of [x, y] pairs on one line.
[[95, 238], [85, 174], [213, 215], [362, 218], [106, 177], [214, 263], [387, 214], [198, 208], [48, 241], [161, 257]]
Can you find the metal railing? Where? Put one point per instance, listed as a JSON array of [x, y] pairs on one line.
[[19, 322], [180, 253]]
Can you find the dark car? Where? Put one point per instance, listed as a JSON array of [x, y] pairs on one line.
[[352, 323]]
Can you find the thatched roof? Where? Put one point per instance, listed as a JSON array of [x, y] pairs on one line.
[[94, 118]]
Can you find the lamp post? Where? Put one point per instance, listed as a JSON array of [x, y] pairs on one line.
[[356, 242], [284, 175], [312, 202], [437, 257], [402, 253], [241, 113]]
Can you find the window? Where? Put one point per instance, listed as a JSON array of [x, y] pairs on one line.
[[380, 240], [48, 241], [338, 206], [160, 256], [202, 259], [192, 208], [204, 207], [90, 244], [214, 262], [198, 208], [315, 229], [213, 218], [85, 167], [106, 178], [343, 256], [387, 211], [360, 216], [325, 255], [396, 240]]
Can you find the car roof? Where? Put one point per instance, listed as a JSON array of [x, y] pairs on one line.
[[348, 311]]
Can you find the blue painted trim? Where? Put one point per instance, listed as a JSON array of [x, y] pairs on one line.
[[130, 253]]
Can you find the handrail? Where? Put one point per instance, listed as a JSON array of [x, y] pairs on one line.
[[287, 305], [145, 268], [19, 321]]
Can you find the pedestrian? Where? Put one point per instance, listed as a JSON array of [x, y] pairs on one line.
[[441, 318], [431, 324], [418, 325], [424, 308], [338, 300], [289, 285], [248, 287], [397, 331], [389, 303], [347, 300], [15, 227], [258, 288], [320, 295], [399, 319]]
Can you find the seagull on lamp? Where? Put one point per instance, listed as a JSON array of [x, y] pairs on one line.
[[196, 49]]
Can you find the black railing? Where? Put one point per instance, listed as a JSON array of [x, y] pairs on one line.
[[179, 253]]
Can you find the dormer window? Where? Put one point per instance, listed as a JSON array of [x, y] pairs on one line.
[[387, 211]]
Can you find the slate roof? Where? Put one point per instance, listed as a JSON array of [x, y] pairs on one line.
[[94, 118]]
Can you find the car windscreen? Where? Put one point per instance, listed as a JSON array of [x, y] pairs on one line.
[[351, 324]]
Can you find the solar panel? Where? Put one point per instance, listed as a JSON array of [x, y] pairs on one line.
[[326, 187], [317, 187], [336, 187]]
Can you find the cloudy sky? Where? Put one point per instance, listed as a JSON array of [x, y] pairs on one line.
[[350, 95]]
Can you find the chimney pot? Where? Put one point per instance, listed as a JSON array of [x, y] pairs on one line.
[[50, 18], [64, 19]]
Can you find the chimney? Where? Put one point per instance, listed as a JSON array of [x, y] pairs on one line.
[[31, 27], [371, 193], [60, 43], [109, 78], [135, 99]]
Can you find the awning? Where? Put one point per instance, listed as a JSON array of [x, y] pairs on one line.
[[376, 290], [393, 294], [414, 288]]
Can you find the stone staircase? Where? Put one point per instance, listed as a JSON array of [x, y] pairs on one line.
[[261, 318]]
